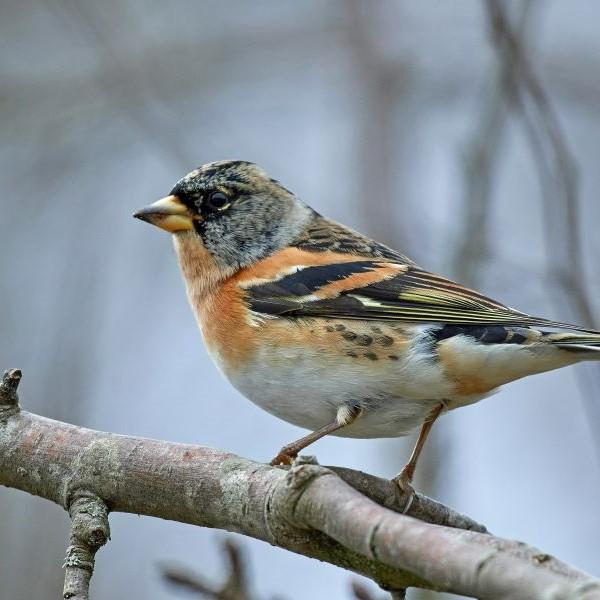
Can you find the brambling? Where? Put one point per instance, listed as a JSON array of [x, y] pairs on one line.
[[332, 331]]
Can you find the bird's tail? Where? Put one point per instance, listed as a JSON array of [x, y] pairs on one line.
[[585, 344]]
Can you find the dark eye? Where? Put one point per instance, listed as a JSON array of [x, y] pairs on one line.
[[218, 201]]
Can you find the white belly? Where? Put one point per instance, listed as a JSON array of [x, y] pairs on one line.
[[395, 373], [307, 390]]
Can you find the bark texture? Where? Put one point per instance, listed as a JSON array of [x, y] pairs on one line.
[[340, 516], [89, 532]]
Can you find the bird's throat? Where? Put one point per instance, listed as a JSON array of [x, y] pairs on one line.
[[201, 273]]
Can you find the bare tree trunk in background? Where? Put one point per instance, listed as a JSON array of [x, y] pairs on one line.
[[379, 94], [557, 170]]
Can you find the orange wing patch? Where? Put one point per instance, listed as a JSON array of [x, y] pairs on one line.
[[287, 260], [360, 280]]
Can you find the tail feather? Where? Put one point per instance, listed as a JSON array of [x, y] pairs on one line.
[[584, 343], [580, 348]]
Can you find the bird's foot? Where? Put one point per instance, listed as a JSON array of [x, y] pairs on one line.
[[404, 481], [284, 458]]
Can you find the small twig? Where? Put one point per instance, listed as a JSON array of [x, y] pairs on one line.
[[89, 532], [9, 399], [236, 586], [362, 592], [188, 581]]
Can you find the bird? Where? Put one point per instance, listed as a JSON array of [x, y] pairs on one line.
[[332, 331]]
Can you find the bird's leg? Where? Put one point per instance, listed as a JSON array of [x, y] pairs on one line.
[[346, 414], [405, 477], [288, 453]]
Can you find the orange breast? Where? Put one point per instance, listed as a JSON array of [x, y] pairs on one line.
[[233, 334], [226, 326]]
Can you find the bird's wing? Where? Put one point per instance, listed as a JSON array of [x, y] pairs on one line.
[[378, 290]]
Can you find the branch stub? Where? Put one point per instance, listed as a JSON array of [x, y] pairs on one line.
[[8, 388]]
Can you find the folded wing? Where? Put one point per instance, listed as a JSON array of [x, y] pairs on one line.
[[378, 290]]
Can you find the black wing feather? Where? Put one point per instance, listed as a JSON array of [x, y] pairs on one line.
[[413, 295]]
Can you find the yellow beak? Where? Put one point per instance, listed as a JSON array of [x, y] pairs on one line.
[[168, 213]]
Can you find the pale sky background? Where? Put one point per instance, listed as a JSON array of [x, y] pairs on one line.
[[364, 110]]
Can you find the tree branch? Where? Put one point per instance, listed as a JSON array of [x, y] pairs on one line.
[[89, 532], [307, 509]]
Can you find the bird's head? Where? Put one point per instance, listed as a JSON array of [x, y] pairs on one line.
[[234, 209]]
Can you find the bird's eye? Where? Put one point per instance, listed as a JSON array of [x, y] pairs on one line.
[[218, 201]]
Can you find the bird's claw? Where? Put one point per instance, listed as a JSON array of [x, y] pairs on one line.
[[404, 481], [283, 458], [404, 484]]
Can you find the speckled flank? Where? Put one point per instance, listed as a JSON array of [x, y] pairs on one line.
[[361, 340], [234, 341]]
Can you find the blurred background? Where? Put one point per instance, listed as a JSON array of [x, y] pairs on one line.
[[466, 134]]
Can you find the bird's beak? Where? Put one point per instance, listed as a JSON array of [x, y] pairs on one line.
[[169, 213]]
